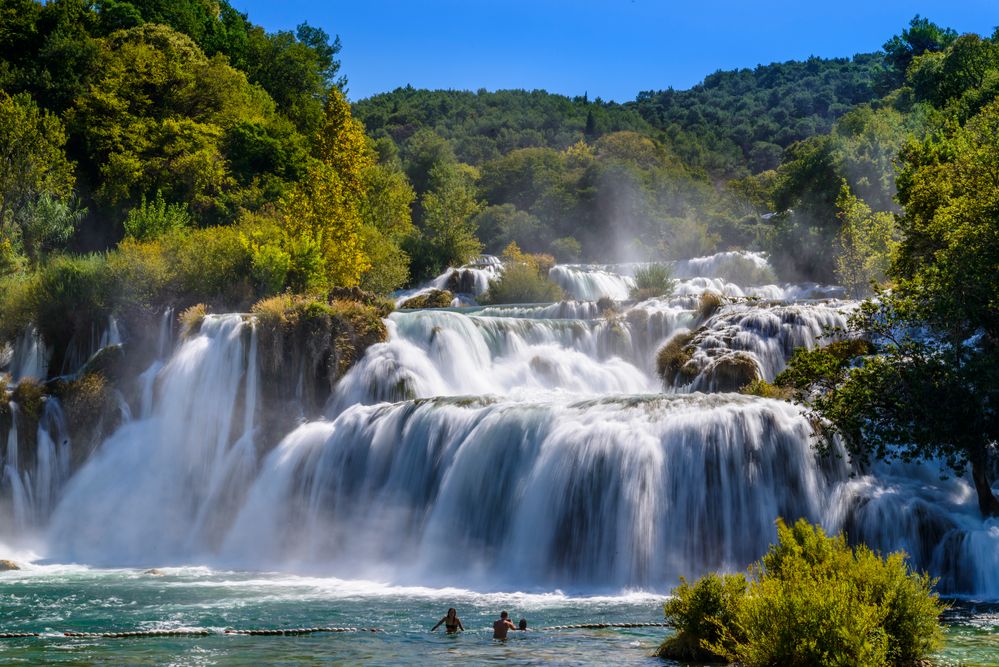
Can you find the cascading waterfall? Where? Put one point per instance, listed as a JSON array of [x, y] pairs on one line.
[[525, 447]]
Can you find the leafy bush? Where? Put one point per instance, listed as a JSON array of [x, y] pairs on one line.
[[700, 614], [566, 249], [523, 280], [72, 295], [151, 220], [811, 600], [653, 280], [764, 389]]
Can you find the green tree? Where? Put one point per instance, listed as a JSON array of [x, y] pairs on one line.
[[156, 118], [33, 163], [932, 396], [447, 233], [49, 224], [323, 214], [867, 241], [920, 37]]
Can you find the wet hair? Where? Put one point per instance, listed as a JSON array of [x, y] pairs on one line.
[[503, 614], [523, 624], [452, 610]]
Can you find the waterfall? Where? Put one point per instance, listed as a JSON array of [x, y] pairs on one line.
[[603, 492], [526, 447], [171, 478]]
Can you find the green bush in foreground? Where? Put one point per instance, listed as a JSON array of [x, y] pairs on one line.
[[811, 600]]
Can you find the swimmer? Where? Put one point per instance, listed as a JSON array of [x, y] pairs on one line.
[[451, 622], [503, 625], [522, 626]]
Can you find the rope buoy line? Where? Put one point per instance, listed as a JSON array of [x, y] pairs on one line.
[[600, 626], [299, 631], [287, 631]]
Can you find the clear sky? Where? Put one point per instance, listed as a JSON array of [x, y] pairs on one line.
[[607, 48]]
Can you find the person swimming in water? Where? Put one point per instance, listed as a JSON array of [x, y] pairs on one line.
[[522, 626], [502, 626], [451, 622]]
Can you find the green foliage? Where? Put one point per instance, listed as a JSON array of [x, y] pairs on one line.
[[151, 220], [73, 295], [737, 122], [930, 396], [499, 226], [524, 280], [566, 249], [49, 224], [480, 126], [867, 241], [389, 268], [653, 280], [447, 232], [34, 176], [811, 600], [922, 36], [764, 389], [700, 613]]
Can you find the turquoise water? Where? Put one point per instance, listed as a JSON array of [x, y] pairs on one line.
[[54, 599]]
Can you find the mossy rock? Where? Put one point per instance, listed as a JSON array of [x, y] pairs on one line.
[[673, 357], [732, 372], [607, 306], [107, 361], [433, 299], [708, 305]]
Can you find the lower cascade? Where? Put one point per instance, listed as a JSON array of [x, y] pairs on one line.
[[527, 448]]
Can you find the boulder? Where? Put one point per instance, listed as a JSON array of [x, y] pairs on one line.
[[8, 565], [433, 299]]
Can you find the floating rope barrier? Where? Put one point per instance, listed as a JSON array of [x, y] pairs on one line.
[[601, 626], [300, 631], [140, 633], [287, 632]]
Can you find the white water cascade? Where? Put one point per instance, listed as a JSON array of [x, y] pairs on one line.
[[528, 447]]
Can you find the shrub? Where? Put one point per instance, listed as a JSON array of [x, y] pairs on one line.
[[566, 249], [744, 271], [73, 295], [523, 280], [811, 600], [522, 283], [151, 220], [764, 389], [700, 614], [191, 319], [653, 280]]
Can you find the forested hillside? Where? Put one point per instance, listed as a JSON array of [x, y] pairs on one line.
[[743, 119], [208, 160]]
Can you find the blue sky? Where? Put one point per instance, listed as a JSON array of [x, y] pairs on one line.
[[607, 48]]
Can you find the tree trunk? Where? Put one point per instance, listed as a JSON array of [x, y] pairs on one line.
[[987, 502]]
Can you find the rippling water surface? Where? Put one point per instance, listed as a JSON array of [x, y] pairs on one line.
[[54, 599]]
